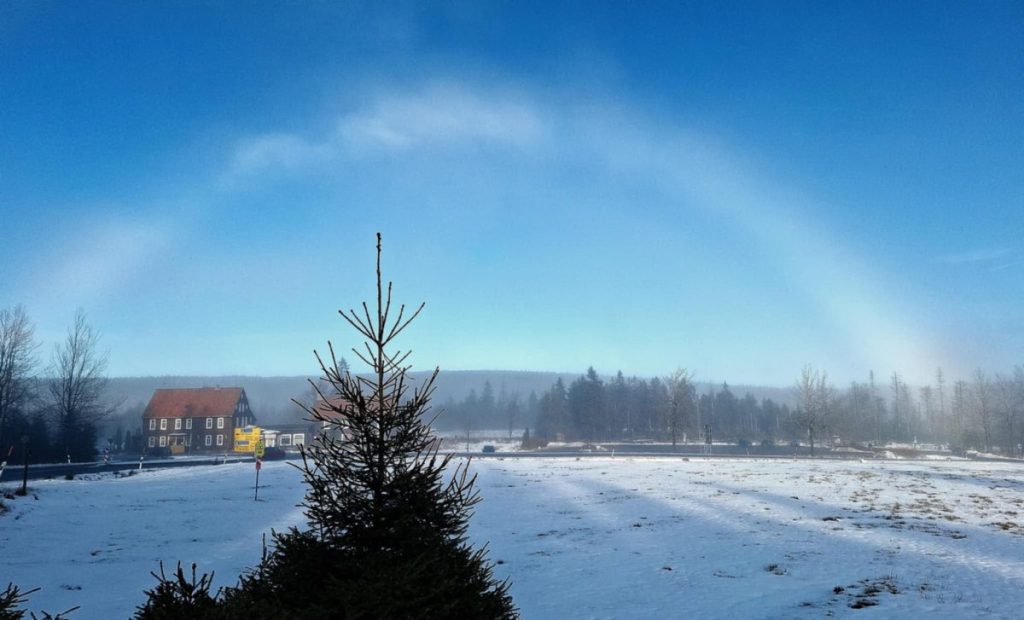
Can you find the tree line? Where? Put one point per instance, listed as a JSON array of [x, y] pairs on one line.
[[54, 411], [50, 412], [489, 410], [984, 412], [660, 408]]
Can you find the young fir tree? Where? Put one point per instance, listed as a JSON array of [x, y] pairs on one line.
[[387, 515], [12, 600]]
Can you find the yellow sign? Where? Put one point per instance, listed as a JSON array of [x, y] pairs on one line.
[[260, 449], [246, 438]]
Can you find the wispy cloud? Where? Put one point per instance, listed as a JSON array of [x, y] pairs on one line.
[[1003, 266], [438, 116], [277, 151], [443, 115], [978, 255]]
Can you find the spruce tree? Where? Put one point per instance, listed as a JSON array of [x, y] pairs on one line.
[[381, 495], [388, 515]]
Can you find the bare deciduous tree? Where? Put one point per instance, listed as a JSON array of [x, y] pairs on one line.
[[815, 401], [682, 401], [959, 410], [878, 405], [940, 392], [1018, 407], [76, 389], [927, 396], [512, 413], [1009, 393], [17, 360], [983, 405], [898, 412]]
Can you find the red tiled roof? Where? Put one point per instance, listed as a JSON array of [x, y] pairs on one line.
[[193, 402]]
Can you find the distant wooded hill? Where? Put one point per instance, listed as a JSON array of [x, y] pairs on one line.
[[270, 397]]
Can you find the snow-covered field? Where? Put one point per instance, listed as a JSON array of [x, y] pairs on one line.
[[668, 538], [94, 542], [598, 537]]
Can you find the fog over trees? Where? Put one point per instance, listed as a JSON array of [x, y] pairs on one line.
[[983, 413], [65, 408]]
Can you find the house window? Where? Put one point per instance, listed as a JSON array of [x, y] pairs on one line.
[[152, 424], [188, 424], [177, 424], [220, 440], [163, 441], [299, 439], [163, 424], [220, 422], [285, 440], [209, 440], [209, 422], [152, 442]]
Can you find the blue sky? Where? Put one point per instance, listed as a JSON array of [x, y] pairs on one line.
[[736, 188]]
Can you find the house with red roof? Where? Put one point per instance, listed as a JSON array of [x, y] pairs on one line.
[[195, 420]]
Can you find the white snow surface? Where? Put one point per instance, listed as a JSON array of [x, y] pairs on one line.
[[94, 542], [598, 537]]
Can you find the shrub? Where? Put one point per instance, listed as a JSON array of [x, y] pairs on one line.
[[11, 600], [179, 597]]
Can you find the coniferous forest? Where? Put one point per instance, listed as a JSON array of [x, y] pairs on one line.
[[981, 412]]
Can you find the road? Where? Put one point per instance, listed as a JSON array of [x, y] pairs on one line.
[[14, 472]]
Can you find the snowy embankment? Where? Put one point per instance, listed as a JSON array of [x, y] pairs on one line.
[[598, 537]]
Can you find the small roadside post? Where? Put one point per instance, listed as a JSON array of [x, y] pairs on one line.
[[24, 477], [3, 465], [258, 453]]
